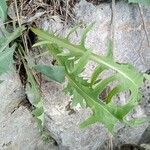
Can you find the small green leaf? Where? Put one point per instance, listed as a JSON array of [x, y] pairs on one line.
[[38, 111], [6, 59], [98, 70], [100, 86], [55, 73], [114, 92], [32, 90], [77, 99], [41, 43], [79, 67], [73, 30], [35, 98], [3, 10], [100, 114], [147, 76], [84, 34], [12, 36], [68, 89], [145, 2], [6, 52]]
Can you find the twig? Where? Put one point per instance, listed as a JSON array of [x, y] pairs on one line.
[[17, 12], [112, 36], [144, 24], [2, 24], [67, 9], [110, 145], [112, 32], [24, 40]]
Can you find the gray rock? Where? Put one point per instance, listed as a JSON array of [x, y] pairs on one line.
[[18, 128], [11, 92], [19, 131], [146, 146], [130, 46], [145, 136]]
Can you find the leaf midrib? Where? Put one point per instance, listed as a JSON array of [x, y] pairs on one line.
[[87, 95]]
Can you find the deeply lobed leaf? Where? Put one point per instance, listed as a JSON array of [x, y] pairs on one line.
[[126, 75]]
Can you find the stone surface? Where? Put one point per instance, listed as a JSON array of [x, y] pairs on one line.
[[17, 126], [63, 122], [130, 40], [145, 136], [130, 46], [11, 92]]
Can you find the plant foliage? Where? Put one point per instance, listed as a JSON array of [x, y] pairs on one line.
[[7, 50], [3, 10], [54, 73], [34, 94], [145, 2], [74, 62]]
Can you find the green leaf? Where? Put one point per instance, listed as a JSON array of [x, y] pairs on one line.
[[3, 10], [118, 89], [79, 67], [12, 36], [73, 30], [77, 99], [84, 34], [127, 77], [40, 43], [147, 76], [32, 90], [145, 2], [55, 73], [100, 86], [6, 59], [98, 70], [38, 111], [6, 52], [100, 113], [35, 98]]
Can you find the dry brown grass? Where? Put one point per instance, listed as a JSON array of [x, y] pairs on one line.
[[30, 10]]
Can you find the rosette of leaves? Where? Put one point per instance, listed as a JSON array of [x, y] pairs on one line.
[[74, 61]]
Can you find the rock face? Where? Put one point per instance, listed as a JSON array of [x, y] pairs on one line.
[[130, 40], [17, 126], [130, 46]]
